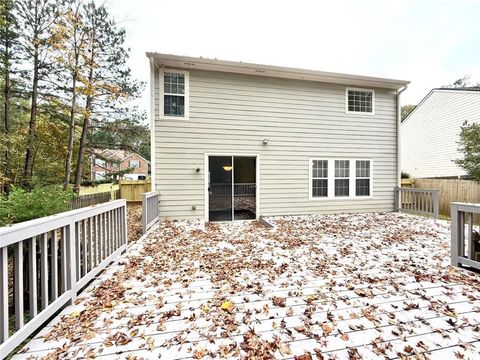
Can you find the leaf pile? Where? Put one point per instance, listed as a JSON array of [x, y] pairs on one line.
[[313, 287]]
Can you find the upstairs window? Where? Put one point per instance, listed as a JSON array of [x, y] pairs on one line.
[[134, 163], [360, 100], [174, 98]]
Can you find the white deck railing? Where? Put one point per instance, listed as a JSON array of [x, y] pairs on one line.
[[150, 214], [51, 259], [465, 245], [419, 201], [225, 189]]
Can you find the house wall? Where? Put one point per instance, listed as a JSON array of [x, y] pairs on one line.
[[143, 169], [233, 113], [430, 135]]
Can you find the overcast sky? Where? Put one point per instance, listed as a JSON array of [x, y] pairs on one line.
[[429, 42]]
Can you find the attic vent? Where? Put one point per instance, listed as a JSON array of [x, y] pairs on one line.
[[260, 71], [189, 63]]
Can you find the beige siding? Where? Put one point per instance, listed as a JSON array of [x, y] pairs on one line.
[[430, 135], [231, 113]]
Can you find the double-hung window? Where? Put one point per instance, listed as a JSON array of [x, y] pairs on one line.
[[340, 178], [320, 178], [174, 93], [361, 101], [362, 178]]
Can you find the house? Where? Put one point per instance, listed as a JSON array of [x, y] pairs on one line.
[[430, 133], [109, 162], [233, 140]]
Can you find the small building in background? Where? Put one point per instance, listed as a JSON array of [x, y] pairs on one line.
[[108, 163], [430, 133]]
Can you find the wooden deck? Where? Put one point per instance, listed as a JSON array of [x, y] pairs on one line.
[[350, 286]]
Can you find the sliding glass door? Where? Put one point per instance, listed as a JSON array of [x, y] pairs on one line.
[[231, 188], [220, 202]]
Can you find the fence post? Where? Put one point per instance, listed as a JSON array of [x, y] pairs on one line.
[[397, 207], [144, 213], [72, 261], [436, 203]]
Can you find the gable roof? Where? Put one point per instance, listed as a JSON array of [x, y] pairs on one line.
[[187, 62], [459, 91], [116, 153]]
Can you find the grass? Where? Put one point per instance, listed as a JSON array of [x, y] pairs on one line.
[[85, 190]]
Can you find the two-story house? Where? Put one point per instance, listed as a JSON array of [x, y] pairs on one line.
[[233, 140], [106, 163]]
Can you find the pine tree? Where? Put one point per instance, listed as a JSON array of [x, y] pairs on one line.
[[36, 18], [71, 36], [107, 81], [8, 37]]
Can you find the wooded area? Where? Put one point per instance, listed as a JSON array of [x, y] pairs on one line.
[[66, 89]]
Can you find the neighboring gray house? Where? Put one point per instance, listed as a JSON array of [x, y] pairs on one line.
[[430, 133], [233, 140]]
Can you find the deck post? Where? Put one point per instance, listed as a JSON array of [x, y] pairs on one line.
[[71, 261], [397, 199]]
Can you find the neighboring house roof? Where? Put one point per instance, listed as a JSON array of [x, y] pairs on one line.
[[120, 155], [467, 90], [187, 62]]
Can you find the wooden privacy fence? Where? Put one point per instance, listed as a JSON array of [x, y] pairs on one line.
[[452, 190], [150, 213], [419, 201], [132, 190], [94, 199], [465, 246], [50, 259]]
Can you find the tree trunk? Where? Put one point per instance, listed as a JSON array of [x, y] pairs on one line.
[[6, 112], [86, 123], [32, 127], [71, 133]]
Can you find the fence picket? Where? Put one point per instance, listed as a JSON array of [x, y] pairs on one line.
[[44, 269], [3, 294], [32, 275], [18, 284]]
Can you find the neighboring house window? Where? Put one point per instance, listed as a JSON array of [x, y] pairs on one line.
[[100, 162], [362, 181], [175, 93], [340, 178], [134, 163], [114, 164], [320, 178], [100, 175], [360, 100]]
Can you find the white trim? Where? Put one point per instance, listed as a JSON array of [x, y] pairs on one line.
[[202, 63], [347, 89], [331, 179], [152, 125], [186, 94], [257, 180]]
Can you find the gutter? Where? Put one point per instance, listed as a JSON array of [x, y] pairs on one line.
[[399, 123]]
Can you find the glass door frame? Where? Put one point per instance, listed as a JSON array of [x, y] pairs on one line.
[[257, 181]]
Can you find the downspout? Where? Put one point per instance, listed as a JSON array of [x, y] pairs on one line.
[[152, 123], [399, 123]]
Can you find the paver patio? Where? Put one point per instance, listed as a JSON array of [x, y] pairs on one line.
[[314, 287]]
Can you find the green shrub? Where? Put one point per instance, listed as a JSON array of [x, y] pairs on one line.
[[22, 205]]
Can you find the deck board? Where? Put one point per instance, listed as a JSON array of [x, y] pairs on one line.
[[369, 285]]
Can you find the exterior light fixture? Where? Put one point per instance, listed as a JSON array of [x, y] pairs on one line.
[[265, 141], [228, 168]]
